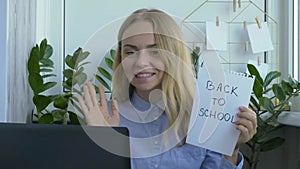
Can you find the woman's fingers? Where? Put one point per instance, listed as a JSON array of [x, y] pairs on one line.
[[248, 114], [115, 109], [95, 114], [247, 124], [87, 97], [82, 105], [92, 93], [103, 102]]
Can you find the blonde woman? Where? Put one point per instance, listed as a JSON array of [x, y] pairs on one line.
[[153, 90]]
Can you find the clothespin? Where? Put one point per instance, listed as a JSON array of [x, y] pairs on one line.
[[258, 61], [194, 45], [246, 46], [234, 5], [245, 25], [258, 22], [217, 21], [240, 3]]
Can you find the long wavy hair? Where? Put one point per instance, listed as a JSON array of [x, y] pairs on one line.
[[178, 81]]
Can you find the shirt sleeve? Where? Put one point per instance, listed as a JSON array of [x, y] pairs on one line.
[[225, 164]]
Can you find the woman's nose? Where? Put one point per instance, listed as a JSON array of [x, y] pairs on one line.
[[143, 58]]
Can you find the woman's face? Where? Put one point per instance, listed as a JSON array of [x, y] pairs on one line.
[[140, 58]]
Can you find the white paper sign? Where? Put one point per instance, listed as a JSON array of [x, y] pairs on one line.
[[217, 102], [216, 36], [260, 38]]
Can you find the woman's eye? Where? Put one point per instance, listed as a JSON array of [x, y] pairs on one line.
[[130, 53], [154, 52]]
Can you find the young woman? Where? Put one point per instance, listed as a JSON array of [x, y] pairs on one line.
[[153, 90]]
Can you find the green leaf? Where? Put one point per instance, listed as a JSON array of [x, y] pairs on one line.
[[278, 92], [58, 114], [61, 103], [46, 119], [258, 83], [257, 89], [292, 82], [74, 119], [267, 104], [263, 139], [81, 57], [84, 63], [81, 78], [70, 82], [42, 49], [48, 75], [260, 123], [254, 102], [33, 61], [48, 52], [103, 82], [286, 87], [46, 70], [105, 73], [80, 71], [112, 53], [253, 71], [41, 102], [68, 87], [75, 57], [70, 62], [109, 63], [270, 77], [48, 85], [271, 144], [47, 63], [36, 82], [68, 73]]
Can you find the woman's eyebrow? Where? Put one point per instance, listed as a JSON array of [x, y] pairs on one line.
[[136, 48], [131, 46], [151, 46]]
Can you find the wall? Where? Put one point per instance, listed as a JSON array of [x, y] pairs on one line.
[[3, 63]]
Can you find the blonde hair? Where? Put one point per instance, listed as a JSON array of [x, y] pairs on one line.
[[178, 82]]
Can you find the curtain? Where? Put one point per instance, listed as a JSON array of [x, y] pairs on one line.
[[22, 36]]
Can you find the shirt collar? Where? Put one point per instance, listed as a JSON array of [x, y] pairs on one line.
[[143, 105]]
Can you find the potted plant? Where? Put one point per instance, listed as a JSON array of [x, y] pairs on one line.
[[55, 108], [270, 98]]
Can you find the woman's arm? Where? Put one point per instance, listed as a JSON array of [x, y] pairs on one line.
[[247, 124]]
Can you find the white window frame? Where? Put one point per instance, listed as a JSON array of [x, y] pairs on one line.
[[3, 54], [296, 45]]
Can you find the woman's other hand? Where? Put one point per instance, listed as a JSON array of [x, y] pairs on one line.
[[96, 111], [247, 124]]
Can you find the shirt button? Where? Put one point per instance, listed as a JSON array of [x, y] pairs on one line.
[[156, 166], [155, 142]]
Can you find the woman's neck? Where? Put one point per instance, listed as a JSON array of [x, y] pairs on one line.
[[151, 96]]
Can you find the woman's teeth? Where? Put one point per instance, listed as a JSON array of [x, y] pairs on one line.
[[143, 75]]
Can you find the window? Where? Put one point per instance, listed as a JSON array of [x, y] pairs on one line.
[[296, 47]]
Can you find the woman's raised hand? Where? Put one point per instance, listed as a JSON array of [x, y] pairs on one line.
[[95, 111]]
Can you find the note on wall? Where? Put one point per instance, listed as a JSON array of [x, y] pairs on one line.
[[216, 36], [218, 102], [260, 38]]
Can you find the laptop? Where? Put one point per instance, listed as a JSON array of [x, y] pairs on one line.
[[46, 146]]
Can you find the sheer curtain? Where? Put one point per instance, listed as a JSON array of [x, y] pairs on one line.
[[22, 30]]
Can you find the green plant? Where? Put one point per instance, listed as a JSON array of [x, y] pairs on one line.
[[104, 74], [40, 68], [270, 99]]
